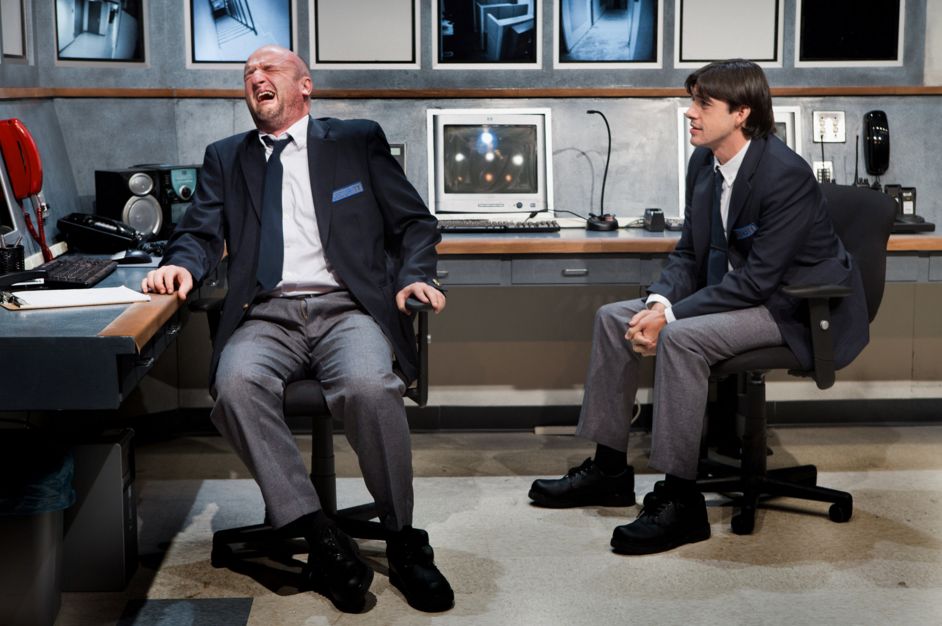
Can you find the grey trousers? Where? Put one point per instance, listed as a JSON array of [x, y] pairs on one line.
[[281, 339], [685, 351]]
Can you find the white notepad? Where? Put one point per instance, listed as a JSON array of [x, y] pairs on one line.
[[58, 298]]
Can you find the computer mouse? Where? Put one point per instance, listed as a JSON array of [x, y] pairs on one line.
[[606, 221], [134, 256]]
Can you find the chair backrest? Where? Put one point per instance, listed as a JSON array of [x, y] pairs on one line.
[[863, 219]]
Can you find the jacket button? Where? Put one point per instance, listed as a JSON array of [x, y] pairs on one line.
[[245, 307]]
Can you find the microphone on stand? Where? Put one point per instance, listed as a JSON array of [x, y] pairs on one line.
[[603, 221]]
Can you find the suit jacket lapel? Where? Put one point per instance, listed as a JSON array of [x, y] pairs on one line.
[[252, 160], [321, 158], [702, 205], [742, 187]]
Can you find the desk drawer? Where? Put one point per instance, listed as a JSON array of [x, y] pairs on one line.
[[935, 268], [575, 271], [469, 272]]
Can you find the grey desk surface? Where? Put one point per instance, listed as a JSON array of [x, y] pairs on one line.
[[83, 357]]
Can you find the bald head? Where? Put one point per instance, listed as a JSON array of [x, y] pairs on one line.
[[277, 88]]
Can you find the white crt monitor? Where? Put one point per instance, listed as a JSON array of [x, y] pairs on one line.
[[490, 163]]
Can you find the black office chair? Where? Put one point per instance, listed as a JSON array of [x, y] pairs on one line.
[[305, 399], [862, 219]]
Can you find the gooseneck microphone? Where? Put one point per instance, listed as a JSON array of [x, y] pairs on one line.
[[603, 221]]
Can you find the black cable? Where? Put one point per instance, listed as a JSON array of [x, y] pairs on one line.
[[608, 158]]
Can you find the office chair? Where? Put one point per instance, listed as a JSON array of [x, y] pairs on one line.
[[862, 219], [304, 398]]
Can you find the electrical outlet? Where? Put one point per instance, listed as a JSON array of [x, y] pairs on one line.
[[823, 171], [828, 127]]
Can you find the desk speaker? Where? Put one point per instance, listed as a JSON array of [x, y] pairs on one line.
[[149, 198]]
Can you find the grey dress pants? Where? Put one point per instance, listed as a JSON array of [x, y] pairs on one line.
[[686, 349], [281, 339]]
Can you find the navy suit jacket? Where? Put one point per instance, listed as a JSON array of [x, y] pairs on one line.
[[377, 240], [780, 234]]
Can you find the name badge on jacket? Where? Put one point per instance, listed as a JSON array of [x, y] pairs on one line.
[[746, 231], [345, 192]]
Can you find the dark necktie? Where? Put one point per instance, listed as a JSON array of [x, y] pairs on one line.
[[718, 261], [271, 244]]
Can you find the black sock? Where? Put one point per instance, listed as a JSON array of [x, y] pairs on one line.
[[681, 487], [610, 460]]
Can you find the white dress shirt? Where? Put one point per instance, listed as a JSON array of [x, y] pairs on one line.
[[729, 171], [306, 269]]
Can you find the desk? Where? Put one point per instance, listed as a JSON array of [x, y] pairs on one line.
[[579, 257], [83, 357]]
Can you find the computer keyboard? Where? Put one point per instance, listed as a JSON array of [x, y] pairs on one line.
[[498, 226], [71, 271]]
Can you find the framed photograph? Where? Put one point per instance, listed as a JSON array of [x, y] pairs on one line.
[[607, 33], [787, 128], [223, 33], [844, 33], [364, 34], [101, 31], [712, 30], [486, 34], [13, 22]]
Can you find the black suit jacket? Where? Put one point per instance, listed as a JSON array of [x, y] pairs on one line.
[[377, 240], [779, 234]]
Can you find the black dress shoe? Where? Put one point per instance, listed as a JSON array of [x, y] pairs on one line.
[[412, 571], [335, 569], [666, 521], [585, 485]]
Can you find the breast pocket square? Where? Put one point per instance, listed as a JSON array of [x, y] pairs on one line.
[[345, 192], [746, 231]]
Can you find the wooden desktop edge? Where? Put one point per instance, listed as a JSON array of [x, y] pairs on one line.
[[142, 320], [487, 244]]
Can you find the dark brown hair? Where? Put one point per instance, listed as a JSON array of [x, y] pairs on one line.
[[739, 83]]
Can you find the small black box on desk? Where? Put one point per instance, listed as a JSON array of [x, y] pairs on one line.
[[654, 220]]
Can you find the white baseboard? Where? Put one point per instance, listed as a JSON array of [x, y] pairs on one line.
[[36, 259]]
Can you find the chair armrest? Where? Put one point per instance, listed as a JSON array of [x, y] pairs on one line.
[[819, 318], [419, 393]]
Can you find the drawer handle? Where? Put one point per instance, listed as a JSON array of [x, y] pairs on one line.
[[145, 361], [173, 329], [441, 274], [576, 272]]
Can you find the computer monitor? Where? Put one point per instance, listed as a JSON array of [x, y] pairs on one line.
[[8, 207], [490, 163]]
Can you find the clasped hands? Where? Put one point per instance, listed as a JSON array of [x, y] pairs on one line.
[[644, 328]]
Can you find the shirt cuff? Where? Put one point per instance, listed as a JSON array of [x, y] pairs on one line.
[[655, 298]]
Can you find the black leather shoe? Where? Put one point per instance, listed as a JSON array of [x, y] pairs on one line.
[[585, 485], [412, 571], [666, 521], [335, 569]]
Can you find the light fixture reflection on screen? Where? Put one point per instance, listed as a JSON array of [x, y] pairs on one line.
[[459, 157], [489, 156], [517, 159]]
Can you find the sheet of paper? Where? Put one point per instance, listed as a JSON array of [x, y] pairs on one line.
[[57, 298]]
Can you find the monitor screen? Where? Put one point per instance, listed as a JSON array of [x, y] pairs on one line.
[[489, 161], [8, 205]]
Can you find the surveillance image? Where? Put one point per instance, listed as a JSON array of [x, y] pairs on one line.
[[100, 30], [487, 31], [227, 31], [607, 31]]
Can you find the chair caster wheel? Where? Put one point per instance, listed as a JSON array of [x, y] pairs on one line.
[[841, 512], [744, 523], [221, 556]]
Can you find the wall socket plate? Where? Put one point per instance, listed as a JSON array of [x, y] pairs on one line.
[[828, 127]]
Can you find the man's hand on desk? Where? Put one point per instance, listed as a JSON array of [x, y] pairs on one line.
[[168, 279], [422, 292]]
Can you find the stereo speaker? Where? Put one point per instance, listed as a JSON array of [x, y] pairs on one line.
[[149, 198]]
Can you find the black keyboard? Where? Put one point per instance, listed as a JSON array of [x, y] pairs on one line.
[[498, 226], [76, 272]]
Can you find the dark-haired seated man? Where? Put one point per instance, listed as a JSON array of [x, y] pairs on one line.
[[755, 221]]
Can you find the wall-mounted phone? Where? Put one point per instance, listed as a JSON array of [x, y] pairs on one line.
[[876, 143]]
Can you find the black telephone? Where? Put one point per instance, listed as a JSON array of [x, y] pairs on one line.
[[876, 142], [98, 234]]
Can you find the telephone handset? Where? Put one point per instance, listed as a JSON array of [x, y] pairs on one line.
[[876, 142], [99, 234], [26, 176]]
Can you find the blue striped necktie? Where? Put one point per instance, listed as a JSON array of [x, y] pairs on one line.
[[271, 244], [718, 260]]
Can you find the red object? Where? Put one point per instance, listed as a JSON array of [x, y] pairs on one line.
[[25, 170]]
